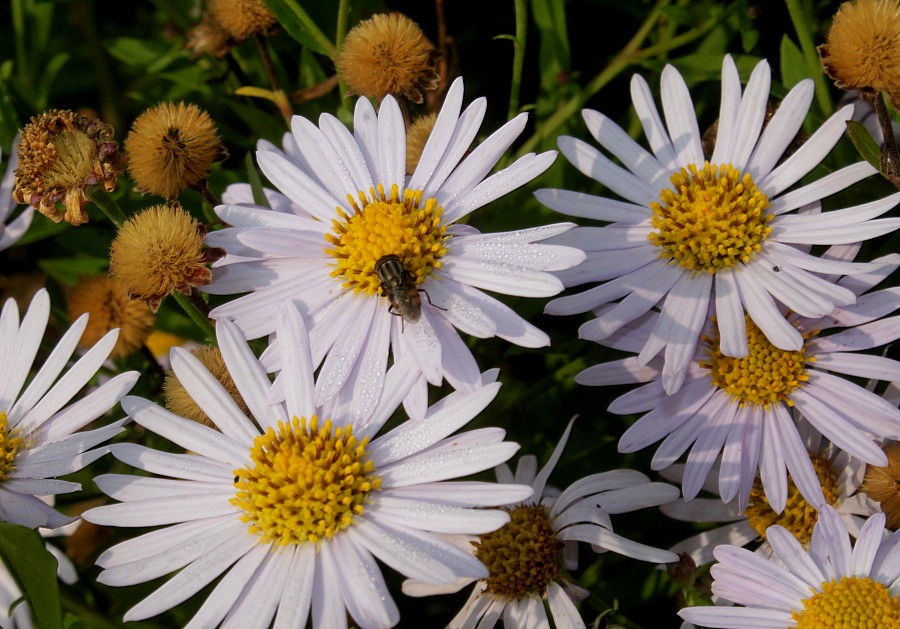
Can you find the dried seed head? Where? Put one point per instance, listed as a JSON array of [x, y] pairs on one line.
[[388, 54], [243, 18], [209, 37], [159, 251], [61, 153], [862, 50], [180, 402], [416, 137], [171, 147], [109, 306]]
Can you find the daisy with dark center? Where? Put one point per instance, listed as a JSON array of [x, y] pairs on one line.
[[292, 504], [833, 583], [60, 154], [11, 228], [840, 476], [696, 232], [361, 210], [529, 558], [40, 431], [740, 407]]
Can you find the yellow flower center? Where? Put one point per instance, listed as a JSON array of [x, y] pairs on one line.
[[851, 603], [799, 517], [75, 157], [764, 376], [306, 482], [524, 556], [711, 219], [384, 225], [10, 444]]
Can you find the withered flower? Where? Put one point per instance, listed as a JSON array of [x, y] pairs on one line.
[[882, 484], [862, 50], [388, 54], [172, 147], [61, 153], [243, 18], [209, 37], [179, 401], [161, 250], [109, 306]]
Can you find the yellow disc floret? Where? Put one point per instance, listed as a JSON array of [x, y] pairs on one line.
[[10, 444], [764, 376], [799, 517], [307, 482], [710, 219], [524, 556], [384, 225], [851, 603]]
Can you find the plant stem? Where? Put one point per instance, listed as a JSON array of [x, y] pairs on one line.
[[197, 315], [341, 33], [890, 160], [813, 65], [518, 56], [103, 200], [281, 100]]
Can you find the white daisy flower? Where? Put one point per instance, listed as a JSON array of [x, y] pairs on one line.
[[12, 230], [740, 407], [38, 427], [694, 233], [832, 584], [544, 532], [377, 261], [839, 474], [292, 507]]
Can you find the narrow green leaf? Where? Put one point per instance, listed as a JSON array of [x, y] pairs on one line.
[[35, 570], [793, 64], [299, 25], [866, 145]]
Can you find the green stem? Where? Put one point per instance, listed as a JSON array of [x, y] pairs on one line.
[[281, 100], [342, 24], [628, 55], [808, 46], [518, 56], [103, 200], [198, 317]]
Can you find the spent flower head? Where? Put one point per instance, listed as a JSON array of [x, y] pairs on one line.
[[179, 400], [107, 302], [862, 49], [60, 154], [161, 250], [171, 147], [243, 19], [388, 54]]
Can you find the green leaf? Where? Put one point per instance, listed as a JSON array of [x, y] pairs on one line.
[[866, 145], [35, 570], [255, 181], [793, 63], [299, 25], [48, 76]]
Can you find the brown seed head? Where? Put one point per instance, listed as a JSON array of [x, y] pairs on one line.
[[388, 54], [882, 484], [243, 18], [416, 137], [109, 306], [159, 251], [60, 153], [171, 147], [862, 50], [179, 401], [209, 37]]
